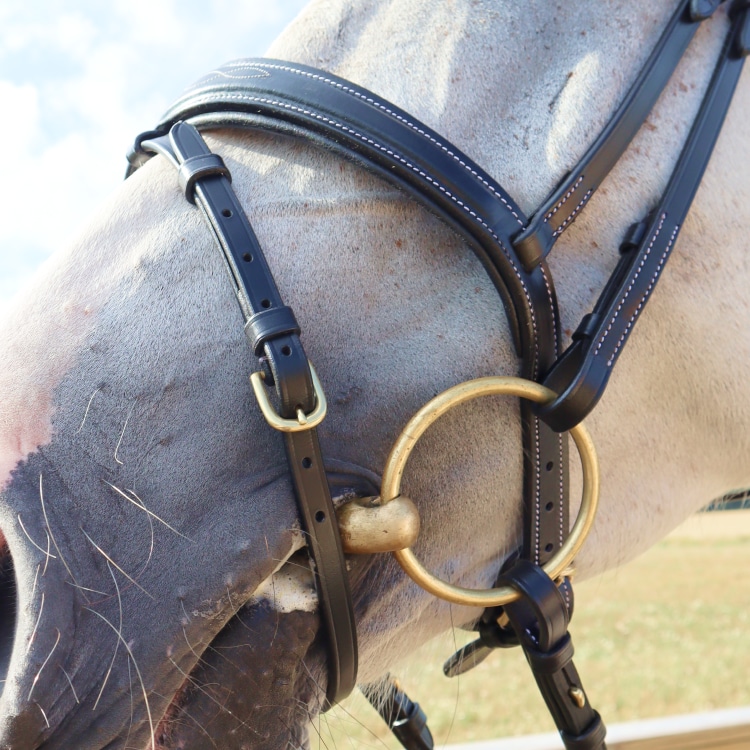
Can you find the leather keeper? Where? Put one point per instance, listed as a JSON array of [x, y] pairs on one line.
[[554, 661], [270, 324], [592, 738], [196, 168], [533, 244], [587, 327]]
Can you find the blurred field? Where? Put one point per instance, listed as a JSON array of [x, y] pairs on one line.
[[667, 634]]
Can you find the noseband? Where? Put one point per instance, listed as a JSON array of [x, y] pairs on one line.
[[532, 602]]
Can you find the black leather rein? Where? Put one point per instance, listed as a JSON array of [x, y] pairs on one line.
[[358, 125]]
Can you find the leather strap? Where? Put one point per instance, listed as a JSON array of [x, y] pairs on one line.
[[540, 620], [581, 374], [274, 334], [403, 717], [563, 205], [195, 168], [357, 124]]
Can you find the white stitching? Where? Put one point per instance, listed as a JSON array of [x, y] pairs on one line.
[[415, 169], [388, 111], [646, 295], [572, 216], [562, 200], [566, 594], [561, 475], [222, 74], [552, 308], [538, 498], [471, 213], [561, 496], [632, 283], [430, 179]]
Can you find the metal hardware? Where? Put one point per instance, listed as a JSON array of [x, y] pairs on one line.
[[578, 696], [367, 526], [430, 413], [303, 421]]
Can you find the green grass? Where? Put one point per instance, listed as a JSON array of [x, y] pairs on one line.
[[667, 634]]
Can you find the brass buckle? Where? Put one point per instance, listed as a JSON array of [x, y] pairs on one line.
[[303, 421]]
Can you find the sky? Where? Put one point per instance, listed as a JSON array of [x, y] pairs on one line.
[[79, 79]]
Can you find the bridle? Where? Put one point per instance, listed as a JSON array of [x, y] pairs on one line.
[[532, 602]]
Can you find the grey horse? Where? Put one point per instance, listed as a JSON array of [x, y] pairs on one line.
[[156, 593]]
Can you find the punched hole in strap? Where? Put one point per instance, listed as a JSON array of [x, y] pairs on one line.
[[196, 168]]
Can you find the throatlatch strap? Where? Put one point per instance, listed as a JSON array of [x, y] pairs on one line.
[[273, 333]]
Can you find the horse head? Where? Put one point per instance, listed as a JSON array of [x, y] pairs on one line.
[[156, 588]]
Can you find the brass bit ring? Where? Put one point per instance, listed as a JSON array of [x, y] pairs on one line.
[[430, 413]]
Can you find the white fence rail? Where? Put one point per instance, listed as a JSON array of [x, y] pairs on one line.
[[717, 730]]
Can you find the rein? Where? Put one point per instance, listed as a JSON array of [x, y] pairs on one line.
[[532, 602]]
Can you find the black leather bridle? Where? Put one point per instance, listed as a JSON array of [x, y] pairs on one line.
[[361, 126]]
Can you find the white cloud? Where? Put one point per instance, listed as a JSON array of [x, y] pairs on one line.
[[21, 129], [82, 78]]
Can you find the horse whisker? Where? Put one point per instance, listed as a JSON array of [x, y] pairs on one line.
[[83, 422], [183, 710], [151, 546], [28, 536], [46, 720], [202, 689], [140, 504], [138, 672], [458, 679], [192, 650], [46, 559], [70, 682], [36, 625], [85, 588], [52, 536], [109, 559], [122, 434], [36, 578], [44, 664], [117, 643]]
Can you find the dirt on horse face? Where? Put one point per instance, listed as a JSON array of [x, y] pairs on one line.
[[155, 588]]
